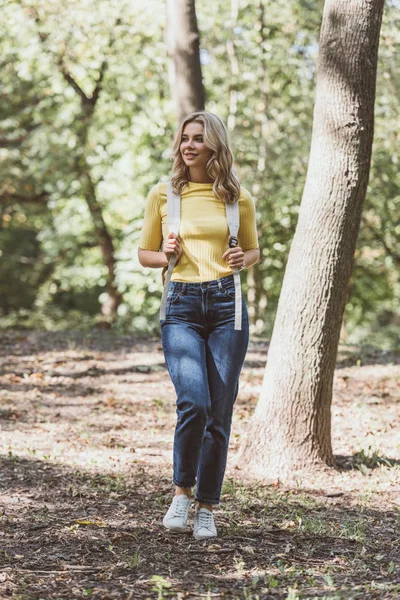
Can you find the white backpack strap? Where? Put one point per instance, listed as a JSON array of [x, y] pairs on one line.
[[174, 221], [232, 215]]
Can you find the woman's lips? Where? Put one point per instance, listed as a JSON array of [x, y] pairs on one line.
[[190, 156]]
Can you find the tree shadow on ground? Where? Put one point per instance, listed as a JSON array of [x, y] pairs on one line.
[[361, 460], [69, 533], [25, 344], [364, 355], [94, 371], [38, 341]]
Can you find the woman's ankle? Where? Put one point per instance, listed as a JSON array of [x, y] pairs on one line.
[[202, 505], [179, 491]]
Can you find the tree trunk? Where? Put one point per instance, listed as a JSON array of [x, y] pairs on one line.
[[84, 122], [291, 428], [183, 43], [104, 240]]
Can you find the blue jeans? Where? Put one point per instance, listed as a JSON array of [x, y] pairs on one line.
[[204, 355]]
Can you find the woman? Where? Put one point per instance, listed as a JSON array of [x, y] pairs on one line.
[[203, 351]]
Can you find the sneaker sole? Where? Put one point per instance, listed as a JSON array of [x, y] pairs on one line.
[[204, 537], [175, 529]]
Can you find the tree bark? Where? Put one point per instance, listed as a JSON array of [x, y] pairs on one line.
[[183, 42], [291, 427]]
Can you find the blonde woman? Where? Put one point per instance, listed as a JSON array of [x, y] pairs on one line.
[[203, 351]]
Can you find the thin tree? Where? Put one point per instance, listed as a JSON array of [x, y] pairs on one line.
[[291, 427], [88, 103], [183, 43]]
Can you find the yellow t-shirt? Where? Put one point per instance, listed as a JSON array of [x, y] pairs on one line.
[[203, 232]]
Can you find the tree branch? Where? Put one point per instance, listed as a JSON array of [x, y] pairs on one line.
[[31, 198], [9, 142], [69, 79], [12, 143], [381, 239], [88, 100], [104, 64], [379, 236]]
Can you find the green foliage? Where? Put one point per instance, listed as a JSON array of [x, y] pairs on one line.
[[259, 66], [373, 308], [124, 153]]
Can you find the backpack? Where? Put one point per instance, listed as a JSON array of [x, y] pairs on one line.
[[174, 219]]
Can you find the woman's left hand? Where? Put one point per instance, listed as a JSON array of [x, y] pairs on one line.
[[234, 257]]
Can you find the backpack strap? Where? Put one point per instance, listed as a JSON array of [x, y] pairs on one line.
[[174, 221], [232, 216]]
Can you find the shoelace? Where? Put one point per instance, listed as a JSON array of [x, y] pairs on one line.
[[206, 519], [180, 509]]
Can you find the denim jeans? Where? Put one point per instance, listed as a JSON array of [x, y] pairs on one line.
[[204, 356]]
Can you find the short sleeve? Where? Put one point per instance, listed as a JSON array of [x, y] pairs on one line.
[[151, 236], [247, 234]]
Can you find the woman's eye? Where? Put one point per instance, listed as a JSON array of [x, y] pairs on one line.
[[198, 139]]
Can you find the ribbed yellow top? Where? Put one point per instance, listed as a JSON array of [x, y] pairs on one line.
[[203, 232]]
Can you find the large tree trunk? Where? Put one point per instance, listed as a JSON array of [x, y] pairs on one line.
[[291, 427], [183, 43]]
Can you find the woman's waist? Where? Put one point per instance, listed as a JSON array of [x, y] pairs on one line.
[[199, 271], [226, 282]]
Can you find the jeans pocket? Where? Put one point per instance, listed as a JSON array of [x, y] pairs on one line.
[[178, 296], [228, 291], [174, 295]]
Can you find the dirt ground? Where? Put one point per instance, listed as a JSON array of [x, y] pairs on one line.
[[85, 448]]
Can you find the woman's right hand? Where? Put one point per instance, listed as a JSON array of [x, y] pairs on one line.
[[171, 246]]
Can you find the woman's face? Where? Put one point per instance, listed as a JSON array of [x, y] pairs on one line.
[[193, 150]]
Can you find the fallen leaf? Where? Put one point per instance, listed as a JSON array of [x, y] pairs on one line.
[[97, 522]]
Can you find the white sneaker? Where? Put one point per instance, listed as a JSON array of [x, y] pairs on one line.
[[177, 514], [204, 526]]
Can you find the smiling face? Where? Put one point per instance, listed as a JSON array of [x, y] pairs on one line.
[[193, 150]]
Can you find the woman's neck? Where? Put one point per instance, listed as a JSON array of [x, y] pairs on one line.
[[199, 176]]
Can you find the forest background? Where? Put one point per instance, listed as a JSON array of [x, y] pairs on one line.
[[86, 125], [87, 116]]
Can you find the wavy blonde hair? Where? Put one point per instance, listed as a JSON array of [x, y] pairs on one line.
[[226, 186]]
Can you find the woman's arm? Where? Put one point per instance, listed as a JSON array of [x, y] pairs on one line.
[[152, 259], [251, 257], [158, 260], [237, 258]]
